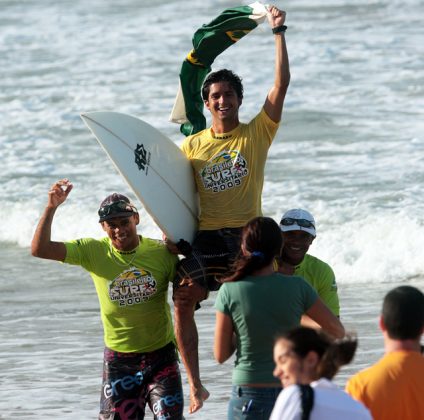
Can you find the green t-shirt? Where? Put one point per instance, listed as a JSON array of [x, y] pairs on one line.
[[321, 277], [133, 298], [261, 307]]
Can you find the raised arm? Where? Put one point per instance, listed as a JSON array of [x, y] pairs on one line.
[[224, 345], [274, 102], [319, 313], [42, 246]]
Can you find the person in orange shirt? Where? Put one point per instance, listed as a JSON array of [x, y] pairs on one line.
[[393, 388]]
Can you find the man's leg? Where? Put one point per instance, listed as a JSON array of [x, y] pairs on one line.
[[121, 389], [196, 275], [165, 390], [186, 296]]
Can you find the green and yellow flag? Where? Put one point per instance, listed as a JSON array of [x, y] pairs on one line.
[[208, 42]]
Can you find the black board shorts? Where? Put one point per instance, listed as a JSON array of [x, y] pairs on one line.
[[133, 380], [213, 252]]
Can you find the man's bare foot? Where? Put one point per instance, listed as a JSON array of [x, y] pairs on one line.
[[197, 396]]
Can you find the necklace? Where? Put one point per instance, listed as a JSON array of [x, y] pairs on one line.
[[115, 259]]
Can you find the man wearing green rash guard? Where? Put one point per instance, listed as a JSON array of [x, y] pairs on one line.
[[131, 274], [298, 232]]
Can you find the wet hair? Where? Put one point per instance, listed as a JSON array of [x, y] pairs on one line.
[[332, 353], [403, 313], [223, 75], [261, 238]]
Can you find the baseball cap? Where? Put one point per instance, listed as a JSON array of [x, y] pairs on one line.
[[116, 205], [298, 219]]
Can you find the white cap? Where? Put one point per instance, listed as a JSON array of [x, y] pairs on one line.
[[298, 214]]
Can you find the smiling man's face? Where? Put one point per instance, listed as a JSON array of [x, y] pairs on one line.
[[296, 244]]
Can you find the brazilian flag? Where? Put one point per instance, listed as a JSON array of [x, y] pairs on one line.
[[209, 41]]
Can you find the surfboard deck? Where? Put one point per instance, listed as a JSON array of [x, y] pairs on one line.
[[154, 167]]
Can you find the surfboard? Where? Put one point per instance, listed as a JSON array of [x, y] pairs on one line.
[[154, 167]]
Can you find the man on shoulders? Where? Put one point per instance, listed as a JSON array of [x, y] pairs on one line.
[[393, 388], [298, 231], [228, 161]]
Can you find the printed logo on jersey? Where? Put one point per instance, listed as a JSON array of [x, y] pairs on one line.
[[224, 171], [132, 286]]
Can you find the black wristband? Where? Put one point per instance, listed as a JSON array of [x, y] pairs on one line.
[[278, 29]]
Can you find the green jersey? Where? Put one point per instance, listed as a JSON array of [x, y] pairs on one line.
[[132, 288], [321, 277]]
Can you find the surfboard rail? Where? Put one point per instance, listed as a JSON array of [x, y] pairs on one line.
[[154, 167]]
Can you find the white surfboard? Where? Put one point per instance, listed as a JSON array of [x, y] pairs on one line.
[[155, 168]]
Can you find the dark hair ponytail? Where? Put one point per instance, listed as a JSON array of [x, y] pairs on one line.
[[338, 354], [261, 240], [332, 353]]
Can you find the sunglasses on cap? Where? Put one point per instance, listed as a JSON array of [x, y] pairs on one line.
[[288, 221], [116, 207]]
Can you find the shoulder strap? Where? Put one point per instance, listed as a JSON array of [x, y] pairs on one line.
[[307, 398]]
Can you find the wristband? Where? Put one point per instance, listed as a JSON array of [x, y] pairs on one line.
[[278, 29]]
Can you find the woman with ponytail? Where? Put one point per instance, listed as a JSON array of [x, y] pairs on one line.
[[254, 305], [306, 361]]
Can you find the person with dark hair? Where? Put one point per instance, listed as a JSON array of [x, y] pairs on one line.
[[131, 274], [393, 388], [224, 75], [298, 229], [306, 361], [254, 304], [228, 161]]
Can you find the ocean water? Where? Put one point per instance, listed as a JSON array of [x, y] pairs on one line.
[[350, 149]]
